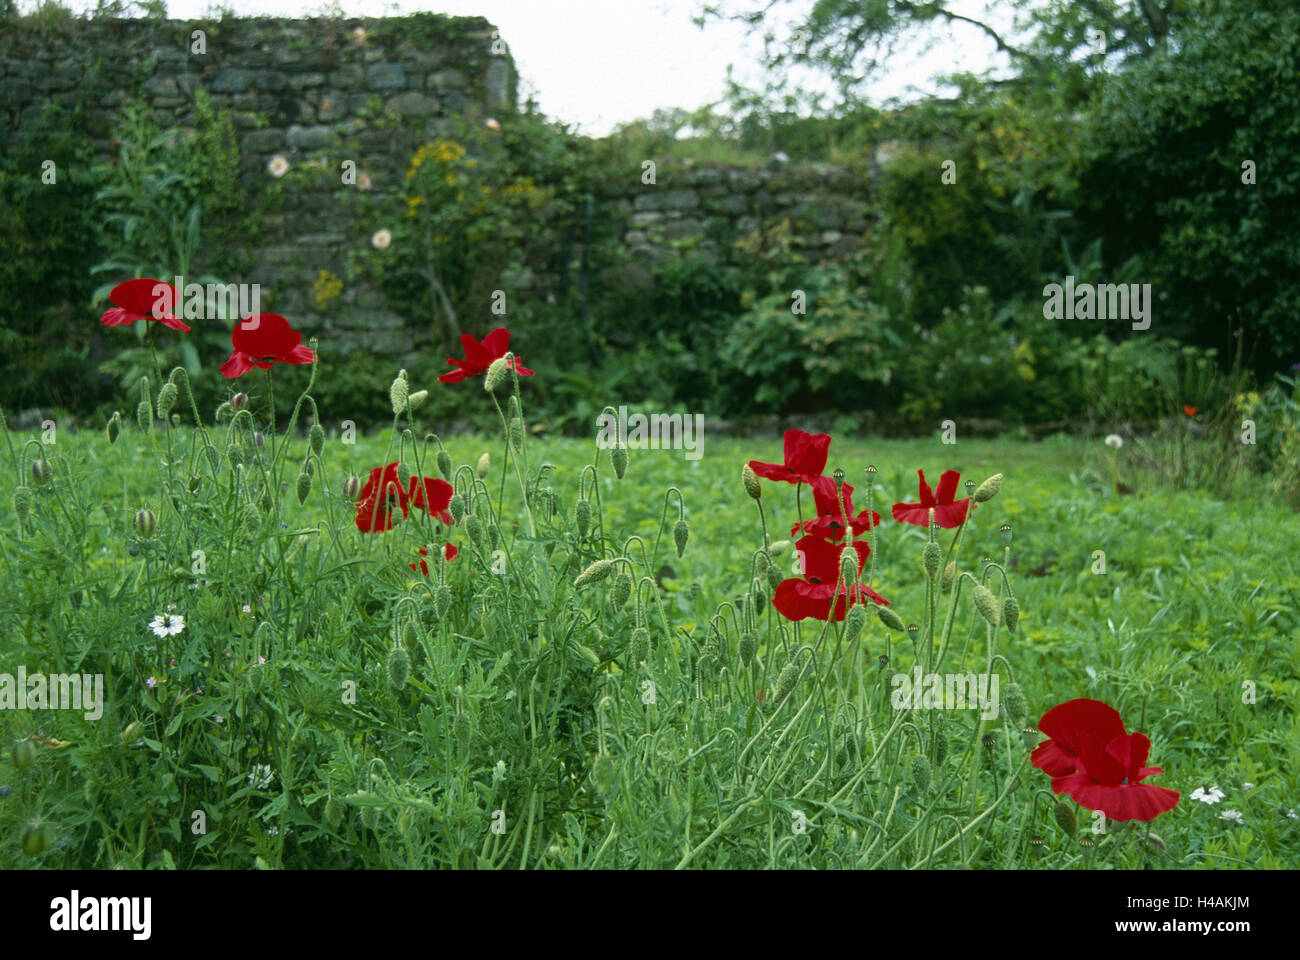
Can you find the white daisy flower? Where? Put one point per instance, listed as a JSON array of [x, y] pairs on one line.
[[1211, 796], [1233, 816], [167, 624], [261, 776], [381, 239], [1114, 441], [278, 166]]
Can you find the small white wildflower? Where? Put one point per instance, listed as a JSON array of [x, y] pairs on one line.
[[1211, 796], [1091, 672], [167, 624], [1114, 441], [151, 683], [1248, 786], [278, 166], [493, 124], [1292, 815], [381, 239], [1232, 816], [261, 776]]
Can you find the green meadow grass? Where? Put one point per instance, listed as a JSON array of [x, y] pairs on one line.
[[1192, 632]]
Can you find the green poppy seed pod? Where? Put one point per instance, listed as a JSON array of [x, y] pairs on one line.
[[949, 572], [890, 619], [785, 682], [24, 754], [398, 667], [870, 471], [582, 517], [516, 434], [235, 455], [986, 603], [638, 646], [913, 632], [456, 508], [403, 475], [779, 547], [750, 480], [681, 533], [417, 398], [442, 601], [604, 773], [239, 401], [23, 504], [444, 464], [352, 487], [302, 486], [940, 748], [1016, 704], [931, 558], [774, 576], [1011, 613], [399, 394], [921, 773], [748, 647], [333, 812], [594, 573], [988, 489], [114, 427], [462, 728], [1065, 819], [970, 488], [36, 839], [854, 622], [618, 459], [621, 591], [484, 465], [1005, 530], [144, 416], [145, 523], [167, 397], [133, 732], [316, 439], [474, 528], [497, 375]]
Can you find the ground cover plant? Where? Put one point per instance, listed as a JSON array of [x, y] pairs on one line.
[[321, 649]]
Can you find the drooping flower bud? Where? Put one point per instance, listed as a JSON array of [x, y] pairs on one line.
[[166, 400], [986, 603], [352, 487], [582, 516], [442, 601], [638, 647], [749, 647], [484, 466], [779, 547], [931, 557], [303, 485], [133, 732], [239, 401], [42, 472], [988, 489], [681, 533], [22, 505], [403, 475], [848, 568], [890, 619], [462, 728], [774, 577], [474, 528], [417, 398], [399, 393], [940, 748], [595, 572], [949, 572], [235, 455], [114, 427], [621, 591], [24, 753], [259, 440], [444, 464], [1011, 613], [785, 683], [854, 622], [398, 667], [516, 434], [1065, 819], [456, 508], [604, 773], [750, 480], [333, 812], [497, 375], [761, 562], [618, 459], [145, 523], [316, 439], [36, 839], [921, 773], [1017, 705]]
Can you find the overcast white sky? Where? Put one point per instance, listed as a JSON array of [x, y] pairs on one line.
[[597, 63]]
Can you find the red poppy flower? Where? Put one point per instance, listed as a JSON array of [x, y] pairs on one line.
[[479, 356], [1190, 411], [829, 522], [798, 598], [137, 300], [261, 340], [449, 551], [947, 512], [805, 459], [433, 496], [1092, 759], [381, 495]]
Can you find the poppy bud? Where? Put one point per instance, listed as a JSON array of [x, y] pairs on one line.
[[250, 520], [1005, 530], [1065, 819], [145, 523], [133, 732], [444, 464], [988, 489], [36, 839], [931, 557], [494, 535], [462, 728], [594, 573], [986, 604], [235, 455], [849, 567], [399, 395], [761, 562], [144, 416], [750, 480], [749, 646], [114, 427], [785, 682], [303, 486], [621, 591], [1011, 613], [194, 483], [474, 528], [890, 619], [681, 533], [618, 459], [921, 773], [398, 667], [940, 748], [774, 576], [498, 374], [333, 812], [417, 398], [854, 622], [403, 475], [456, 508], [352, 487], [24, 754], [516, 434], [1155, 840], [1017, 705], [779, 547], [316, 439], [239, 401], [42, 472], [484, 465], [604, 773], [949, 572], [166, 400], [369, 817], [638, 647], [582, 517], [442, 601], [22, 504], [258, 440]]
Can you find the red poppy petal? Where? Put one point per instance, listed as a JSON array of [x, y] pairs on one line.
[[950, 515], [1053, 759], [805, 453], [496, 343], [914, 513], [1134, 801], [174, 324], [116, 317], [236, 366], [772, 471], [947, 486], [522, 370], [453, 376], [141, 296], [1066, 721], [927, 495]]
